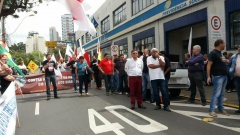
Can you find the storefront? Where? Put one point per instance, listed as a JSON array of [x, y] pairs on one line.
[[122, 46]]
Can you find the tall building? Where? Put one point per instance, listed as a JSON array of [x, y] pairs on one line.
[[35, 43], [53, 34], [67, 26]]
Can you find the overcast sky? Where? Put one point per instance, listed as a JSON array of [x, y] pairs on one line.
[[48, 15]]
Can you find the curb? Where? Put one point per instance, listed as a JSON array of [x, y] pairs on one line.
[[225, 104]]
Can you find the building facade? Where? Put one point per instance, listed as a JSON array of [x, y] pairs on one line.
[[53, 34], [35, 43], [166, 25], [67, 26]]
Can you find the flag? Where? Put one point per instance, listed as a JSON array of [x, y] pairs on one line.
[[190, 43], [99, 51], [60, 58], [80, 49], [78, 12], [75, 51], [94, 22], [32, 66], [4, 45], [8, 111], [69, 51], [10, 61], [87, 58]]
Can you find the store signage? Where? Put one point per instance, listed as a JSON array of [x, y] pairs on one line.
[[171, 7]]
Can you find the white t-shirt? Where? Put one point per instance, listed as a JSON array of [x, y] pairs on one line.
[[134, 67], [156, 73], [22, 67]]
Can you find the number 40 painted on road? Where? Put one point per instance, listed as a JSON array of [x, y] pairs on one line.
[[115, 127]]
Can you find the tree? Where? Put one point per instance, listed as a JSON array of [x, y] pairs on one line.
[[11, 6]]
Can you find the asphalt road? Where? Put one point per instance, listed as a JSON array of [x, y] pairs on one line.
[[109, 115]]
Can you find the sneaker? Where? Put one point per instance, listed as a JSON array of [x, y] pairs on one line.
[[57, 97], [141, 106], [132, 106], [87, 94], [107, 94], [237, 112], [204, 103], [234, 90], [191, 101], [213, 114], [120, 93], [157, 108], [229, 91], [167, 109], [224, 113]]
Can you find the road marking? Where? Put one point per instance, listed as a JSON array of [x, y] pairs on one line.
[[37, 109], [196, 105]]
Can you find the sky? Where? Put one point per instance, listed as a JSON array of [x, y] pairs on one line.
[[48, 15]]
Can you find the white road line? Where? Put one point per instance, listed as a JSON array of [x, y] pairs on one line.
[[37, 109], [196, 105]]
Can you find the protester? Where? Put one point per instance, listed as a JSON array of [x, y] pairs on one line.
[[230, 82], [195, 71], [5, 79], [234, 73], [106, 66], [167, 69], [50, 77], [146, 79], [80, 72], [156, 65], [72, 66], [115, 75], [140, 54], [123, 77], [97, 74], [218, 69], [23, 67], [133, 68]]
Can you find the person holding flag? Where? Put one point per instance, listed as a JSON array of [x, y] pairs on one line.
[[72, 66], [49, 67]]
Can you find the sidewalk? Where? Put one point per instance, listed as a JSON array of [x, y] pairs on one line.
[[230, 99]]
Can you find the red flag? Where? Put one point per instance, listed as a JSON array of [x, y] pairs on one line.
[[60, 58], [87, 58]]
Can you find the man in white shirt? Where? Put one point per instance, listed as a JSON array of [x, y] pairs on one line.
[[156, 65], [134, 67]]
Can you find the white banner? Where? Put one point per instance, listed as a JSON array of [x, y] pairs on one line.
[[8, 111]]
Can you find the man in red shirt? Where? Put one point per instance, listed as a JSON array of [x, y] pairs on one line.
[[106, 66]]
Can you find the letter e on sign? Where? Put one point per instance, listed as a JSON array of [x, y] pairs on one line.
[[216, 23]]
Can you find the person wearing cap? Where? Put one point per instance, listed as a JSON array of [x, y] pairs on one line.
[[234, 73]]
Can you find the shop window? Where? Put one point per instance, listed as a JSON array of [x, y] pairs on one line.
[[139, 5], [141, 44], [235, 28], [82, 40], [120, 15], [123, 49]]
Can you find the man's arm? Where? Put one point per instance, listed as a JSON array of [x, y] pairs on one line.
[[209, 71], [161, 62]]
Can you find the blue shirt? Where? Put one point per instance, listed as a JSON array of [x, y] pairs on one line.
[[196, 59], [81, 68]]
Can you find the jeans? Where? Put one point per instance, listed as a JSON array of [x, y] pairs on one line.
[[135, 89], [196, 81], [219, 85], [83, 79], [74, 81], [145, 82], [108, 82], [123, 79], [115, 81], [237, 85], [98, 79], [156, 84], [49, 79]]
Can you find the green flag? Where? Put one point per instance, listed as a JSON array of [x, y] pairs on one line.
[[10, 61]]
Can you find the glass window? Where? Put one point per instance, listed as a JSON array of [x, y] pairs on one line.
[[82, 40], [141, 44], [105, 25], [235, 28], [139, 5], [88, 37], [120, 14], [123, 49]]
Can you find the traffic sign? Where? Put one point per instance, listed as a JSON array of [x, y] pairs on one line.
[[114, 49], [51, 43], [216, 23]]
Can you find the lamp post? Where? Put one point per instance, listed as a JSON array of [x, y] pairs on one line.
[[4, 30]]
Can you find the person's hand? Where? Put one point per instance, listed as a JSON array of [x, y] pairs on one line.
[[208, 80], [8, 70], [196, 64]]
